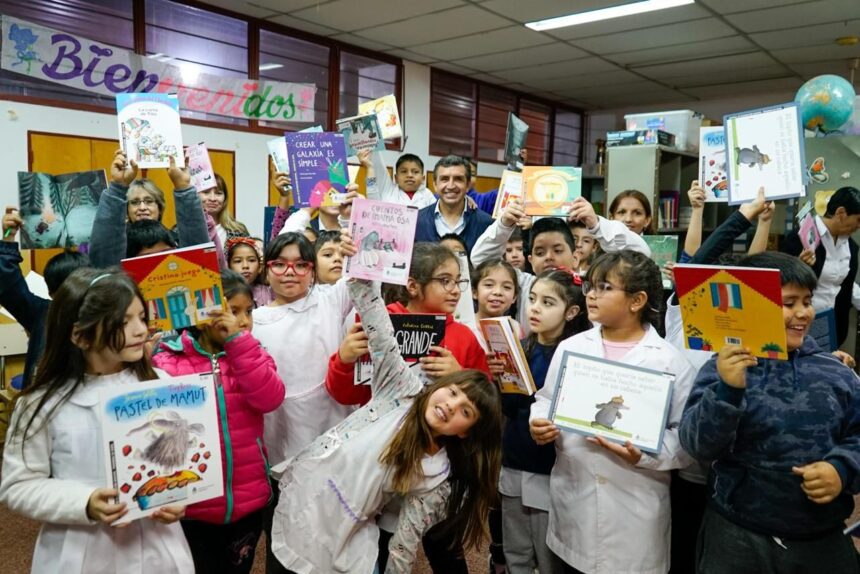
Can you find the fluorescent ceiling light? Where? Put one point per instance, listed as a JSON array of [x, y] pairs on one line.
[[605, 14], [264, 67]]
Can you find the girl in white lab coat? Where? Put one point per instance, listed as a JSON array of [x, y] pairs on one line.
[[53, 469], [609, 503]]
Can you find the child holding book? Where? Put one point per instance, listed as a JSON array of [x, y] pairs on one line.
[[329, 257], [407, 188], [244, 259], [223, 532], [495, 289], [783, 439], [53, 467], [632, 208], [609, 503], [437, 447], [556, 309]]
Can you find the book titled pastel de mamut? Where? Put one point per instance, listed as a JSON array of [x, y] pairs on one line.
[[732, 306], [551, 190], [181, 287], [317, 168], [160, 443], [149, 129], [384, 234]]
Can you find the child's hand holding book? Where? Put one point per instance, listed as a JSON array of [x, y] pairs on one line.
[[101, 508], [543, 431], [732, 364]]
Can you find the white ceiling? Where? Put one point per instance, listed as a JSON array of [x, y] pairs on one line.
[[712, 48]]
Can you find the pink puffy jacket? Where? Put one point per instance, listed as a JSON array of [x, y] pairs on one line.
[[250, 387]]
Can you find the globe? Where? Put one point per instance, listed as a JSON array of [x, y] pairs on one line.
[[826, 102]]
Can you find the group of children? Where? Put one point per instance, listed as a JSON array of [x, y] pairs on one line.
[[352, 478]]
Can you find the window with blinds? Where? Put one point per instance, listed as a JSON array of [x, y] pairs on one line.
[[494, 105], [567, 138], [539, 118], [453, 102]]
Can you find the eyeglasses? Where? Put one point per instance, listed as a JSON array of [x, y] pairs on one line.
[[449, 284], [148, 202], [281, 266], [600, 289]]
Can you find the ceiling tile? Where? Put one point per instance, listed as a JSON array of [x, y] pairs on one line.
[[731, 6], [611, 78], [531, 11], [449, 67], [247, 8], [282, 6], [455, 23], [639, 21], [303, 25], [625, 100], [410, 55], [680, 52], [557, 70], [776, 86], [519, 58], [671, 34], [817, 53], [796, 15], [811, 69], [351, 15], [361, 42], [484, 43], [807, 35], [640, 87], [724, 66], [489, 78], [739, 75]]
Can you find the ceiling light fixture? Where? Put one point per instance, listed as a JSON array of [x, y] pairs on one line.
[[264, 67], [605, 14]]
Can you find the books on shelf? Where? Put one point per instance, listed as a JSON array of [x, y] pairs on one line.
[[384, 234], [200, 167], [415, 333], [318, 168], [503, 342], [361, 133], [387, 114], [550, 190], [667, 215], [149, 129]]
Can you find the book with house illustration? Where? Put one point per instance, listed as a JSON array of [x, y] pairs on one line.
[[318, 168], [415, 333], [180, 286], [764, 149], [200, 167], [713, 174], [384, 234], [503, 340], [160, 443], [387, 114], [510, 187], [616, 401], [515, 143], [550, 191], [731, 306], [58, 210], [361, 133], [149, 129]]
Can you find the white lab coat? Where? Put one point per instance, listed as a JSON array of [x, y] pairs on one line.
[[387, 190], [50, 478], [300, 337], [606, 516]]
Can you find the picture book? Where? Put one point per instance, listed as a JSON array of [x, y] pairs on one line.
[[149, 128], [616, 401], [515, 143], [180, 286], [200, 167], [278, 149], [764, 149], [731, 306], [415, 333], [387, 114], [161, 444], [713, 176], [551, 190], [503, 340], [318, 167], [58, 210], [384, 234], [807, 230], [465, 311], [823, 330], [510, 187], [361, 133]]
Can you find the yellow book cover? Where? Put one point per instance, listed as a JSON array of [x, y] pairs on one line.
[[387, 113], [551, 190], [731, 306], [180, 286]]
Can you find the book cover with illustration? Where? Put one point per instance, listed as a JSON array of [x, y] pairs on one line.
[[551, 190], [664, 249], [713, 175], [318, 168], [515, 143], [149, 128], [180, 286], [361, 133], [58, 210], [160, 443], [415, 333], [731, 306], [807, 230], [384, 234], [200, 167], [387, 114], [616, 401], [503, 341], [764, 149], [278, 149], [510, 187]]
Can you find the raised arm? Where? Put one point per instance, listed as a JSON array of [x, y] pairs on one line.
[[694, 231], [385, 189], [762, 230], [491, 244], [15, 295], [611, 235], [108, 239], [190, 218]]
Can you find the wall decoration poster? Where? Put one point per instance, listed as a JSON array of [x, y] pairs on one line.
[[58, 210], [713, 175], [764, 149], [551, 190], [731, 306], [160, 443], [387, 114], [619, 402], [807, 230], [149, 129], [515, 142], [384, 234], [200, 167], [510, 187], [318, 168], [832, 162]]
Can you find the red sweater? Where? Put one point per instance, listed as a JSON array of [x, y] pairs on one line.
[[459, 339]]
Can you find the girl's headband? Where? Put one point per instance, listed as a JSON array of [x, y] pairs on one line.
[[234, 241], [574, 276]]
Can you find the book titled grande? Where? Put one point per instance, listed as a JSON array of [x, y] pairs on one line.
[[317, 168], [384, 234], [415, 333], [180, 286]]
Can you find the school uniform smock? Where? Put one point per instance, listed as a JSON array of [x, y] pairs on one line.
[[383, 188], [607, 516], [333, 490], [50, 478]]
